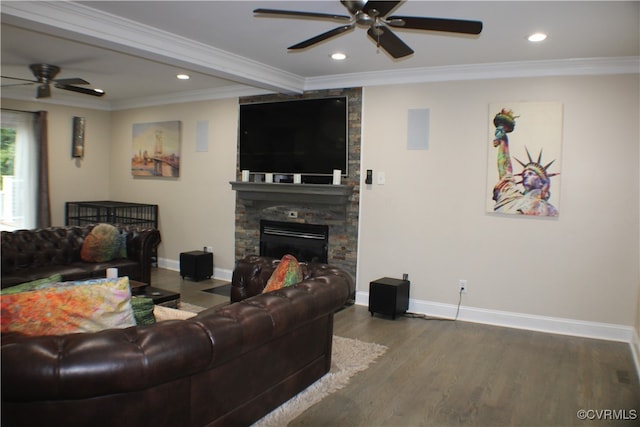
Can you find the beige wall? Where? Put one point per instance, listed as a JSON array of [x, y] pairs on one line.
[[74, 179], [429, 219], [196, 209]]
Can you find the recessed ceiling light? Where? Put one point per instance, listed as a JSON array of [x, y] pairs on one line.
[[338, 56], [183, 76], [537, 37]]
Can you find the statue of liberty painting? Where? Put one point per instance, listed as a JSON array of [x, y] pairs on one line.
[[530, 195]]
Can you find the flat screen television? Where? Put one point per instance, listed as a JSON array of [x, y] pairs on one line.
[[306, 136]]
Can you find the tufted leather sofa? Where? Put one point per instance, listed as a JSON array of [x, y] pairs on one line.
[[228, 366], [33, 254], [251, 274]]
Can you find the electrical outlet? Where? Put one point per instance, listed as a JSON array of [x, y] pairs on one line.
[[382, 179], [462, 286]]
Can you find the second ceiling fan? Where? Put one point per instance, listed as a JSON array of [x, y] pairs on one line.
[[373, 14]]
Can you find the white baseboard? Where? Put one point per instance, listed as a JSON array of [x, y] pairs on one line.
[[554, 325], [174, 265]]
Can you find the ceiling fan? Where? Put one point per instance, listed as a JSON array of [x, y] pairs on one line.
[[373, 14], [45, 75]]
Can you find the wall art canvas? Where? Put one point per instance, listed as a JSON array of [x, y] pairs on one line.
[[524, 158], [156, 149]]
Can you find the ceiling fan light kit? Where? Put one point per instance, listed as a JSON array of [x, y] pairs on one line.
[[373, 15], [45, 75]]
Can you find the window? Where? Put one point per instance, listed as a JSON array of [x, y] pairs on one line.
[[18, 161]]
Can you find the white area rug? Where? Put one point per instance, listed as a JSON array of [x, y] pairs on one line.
[[348, 357], [190, 307]]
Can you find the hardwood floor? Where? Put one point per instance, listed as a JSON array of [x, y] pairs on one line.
[[444, 373]]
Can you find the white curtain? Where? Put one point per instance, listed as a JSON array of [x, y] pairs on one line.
[[24, 189]]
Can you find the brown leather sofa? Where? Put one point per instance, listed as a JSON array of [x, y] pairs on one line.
[[251, 274], [225, 367], [33, 254]]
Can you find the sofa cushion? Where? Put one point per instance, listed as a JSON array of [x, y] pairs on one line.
[[287, 273], [143, 310], [33, 285], [68, 307], [104, 243]]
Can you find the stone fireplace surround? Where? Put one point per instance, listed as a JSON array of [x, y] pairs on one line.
[[340, 214]]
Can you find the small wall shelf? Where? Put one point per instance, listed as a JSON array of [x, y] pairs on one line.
[[276, 193]]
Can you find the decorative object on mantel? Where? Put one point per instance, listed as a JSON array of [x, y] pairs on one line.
[[156, 149], [245, 175], [297, 178], [77, 143], [268, 178], [336, 176]]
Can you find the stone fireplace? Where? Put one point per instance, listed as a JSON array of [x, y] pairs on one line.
[[336, 207]]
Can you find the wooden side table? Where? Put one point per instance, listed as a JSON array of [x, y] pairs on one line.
[[159, 296]]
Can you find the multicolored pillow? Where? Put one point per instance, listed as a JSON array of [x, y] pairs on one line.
[[287, 273], [68, 307], [143, 310], [33, 285], [104, 243]]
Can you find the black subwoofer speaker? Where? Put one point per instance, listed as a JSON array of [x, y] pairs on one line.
[[389, 296], [196, 264]]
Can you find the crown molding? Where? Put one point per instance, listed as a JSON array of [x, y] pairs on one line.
[[190, 96], [551, 68]]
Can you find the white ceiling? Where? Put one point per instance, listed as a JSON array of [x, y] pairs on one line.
[[134, 49]]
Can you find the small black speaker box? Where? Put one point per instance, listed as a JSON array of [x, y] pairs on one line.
[[389, 296]]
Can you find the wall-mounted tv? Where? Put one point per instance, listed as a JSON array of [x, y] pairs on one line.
[[306, 136]]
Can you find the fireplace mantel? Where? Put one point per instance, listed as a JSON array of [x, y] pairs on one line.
[[277, 193]]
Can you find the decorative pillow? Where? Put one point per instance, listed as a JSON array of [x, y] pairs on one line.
[[103, 243], [33, 285], [120, 250], [162, 313], [287, 273], [143, 310], [69, 307]]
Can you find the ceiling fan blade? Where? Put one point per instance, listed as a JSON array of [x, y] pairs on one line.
[[82, 90], [17, 78], [19, 84], [436, 24], [72, 81], [313, 15], [383, 7], [388, 41], [324, 36]]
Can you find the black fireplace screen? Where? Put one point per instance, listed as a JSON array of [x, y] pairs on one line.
[[306, 242]]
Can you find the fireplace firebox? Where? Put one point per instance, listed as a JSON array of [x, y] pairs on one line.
[[307, 242]]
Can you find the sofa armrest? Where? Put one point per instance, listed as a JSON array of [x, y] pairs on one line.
[[141, 247], [250, 276]]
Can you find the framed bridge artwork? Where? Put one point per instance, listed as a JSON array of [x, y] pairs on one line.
[[524, 158], [156, 149]]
